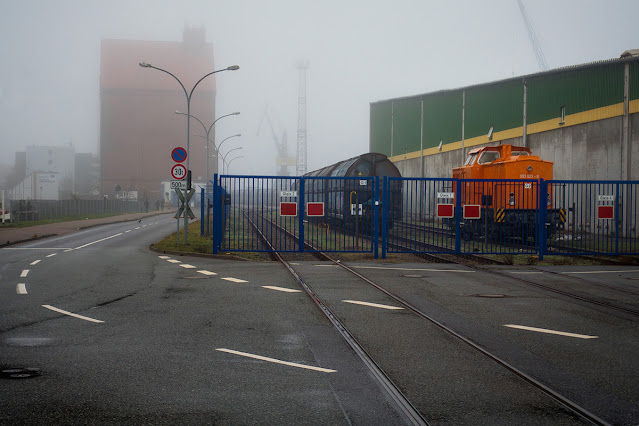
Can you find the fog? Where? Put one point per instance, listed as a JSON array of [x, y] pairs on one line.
[[358, 51]]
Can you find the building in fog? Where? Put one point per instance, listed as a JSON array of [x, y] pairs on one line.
[[138, 124], [87, 175], [43, 173]]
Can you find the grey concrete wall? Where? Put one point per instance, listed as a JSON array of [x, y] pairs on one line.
[[590, 151]]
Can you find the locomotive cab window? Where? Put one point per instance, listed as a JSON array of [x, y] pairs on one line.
[[470, 160], [487, 157], [519, 153]]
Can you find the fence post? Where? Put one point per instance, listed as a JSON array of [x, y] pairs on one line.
[[376, 217], [458, 213], [300, 210], [616, 230], [201, 212], [216, 214], [542, 217], [385, 217]]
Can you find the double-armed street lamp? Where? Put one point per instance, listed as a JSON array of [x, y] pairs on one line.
[[208, 131], [217, 149], [188, 118], [226, 155], [228, 165]]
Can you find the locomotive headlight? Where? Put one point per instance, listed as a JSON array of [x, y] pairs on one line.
[[511, 199], [529, 168]]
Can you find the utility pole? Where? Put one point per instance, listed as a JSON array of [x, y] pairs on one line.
[[302, 66]]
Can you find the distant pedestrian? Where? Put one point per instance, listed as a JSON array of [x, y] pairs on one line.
[[146, 205], [157, 204]]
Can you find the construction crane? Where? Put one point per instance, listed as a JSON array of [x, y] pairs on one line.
[[539, 54], [283, 161]]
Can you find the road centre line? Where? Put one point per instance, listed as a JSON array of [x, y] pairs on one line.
[[71, 314], [286, 290], [98, 241], [128, 230], [186, 265], [543, 330], [234, 280], [35, 262], [524, 272], [204, 272], [276, 361], [52, 254], [21, 288], [24, 273], [164, 257], [374, 305], [173, 260]]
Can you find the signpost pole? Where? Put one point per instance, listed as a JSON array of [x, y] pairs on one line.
[[177, 220]]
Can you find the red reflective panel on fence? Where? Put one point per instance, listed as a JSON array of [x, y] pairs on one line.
[[315, 209], [288, 209], [445, 211], [472, 211]]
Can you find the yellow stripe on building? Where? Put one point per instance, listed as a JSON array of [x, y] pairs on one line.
[[518, 132]]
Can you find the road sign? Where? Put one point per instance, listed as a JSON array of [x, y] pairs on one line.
[[178, 171], [472, 211], [288, 209], [178, 154], [315, 209], [605, 212], [184, 203], [178, 184], [445, 211]]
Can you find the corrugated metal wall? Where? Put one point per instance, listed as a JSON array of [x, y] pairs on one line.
[[585, 94]]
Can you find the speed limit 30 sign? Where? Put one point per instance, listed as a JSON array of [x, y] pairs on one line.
[[178, 171]]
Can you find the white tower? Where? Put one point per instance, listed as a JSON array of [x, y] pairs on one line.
[[301, 120]]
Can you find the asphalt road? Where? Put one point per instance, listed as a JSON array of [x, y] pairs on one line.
[[97, 329], [158, 342]]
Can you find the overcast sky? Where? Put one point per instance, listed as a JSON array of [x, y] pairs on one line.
[[359, 51]]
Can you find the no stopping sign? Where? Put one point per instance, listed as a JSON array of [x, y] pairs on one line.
[[178, 171]]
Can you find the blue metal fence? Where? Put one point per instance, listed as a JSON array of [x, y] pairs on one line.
[[406, 215]]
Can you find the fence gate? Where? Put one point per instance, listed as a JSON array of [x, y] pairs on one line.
[[295, 214]]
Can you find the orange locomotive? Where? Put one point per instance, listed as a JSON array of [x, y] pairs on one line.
[[508, 205]]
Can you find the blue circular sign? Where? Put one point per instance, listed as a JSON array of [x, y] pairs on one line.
[[179, 154]]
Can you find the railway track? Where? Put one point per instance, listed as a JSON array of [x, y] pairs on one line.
[[476, 262], [378, 371]]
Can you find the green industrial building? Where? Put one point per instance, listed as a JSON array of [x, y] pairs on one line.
[[584, 118]]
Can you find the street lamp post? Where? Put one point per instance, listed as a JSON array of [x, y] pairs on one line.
[[208, 131], [228, 165], [225, 155], [188, 121], [217, 149]]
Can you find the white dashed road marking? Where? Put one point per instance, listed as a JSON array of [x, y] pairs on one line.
[[234, 280], [174, 261], [204, 272], [35, 262], [374, 305], [543, 330], [277, 361], [24, 273], [71, 314], [286, 290], [187, 266], [21, 288]]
